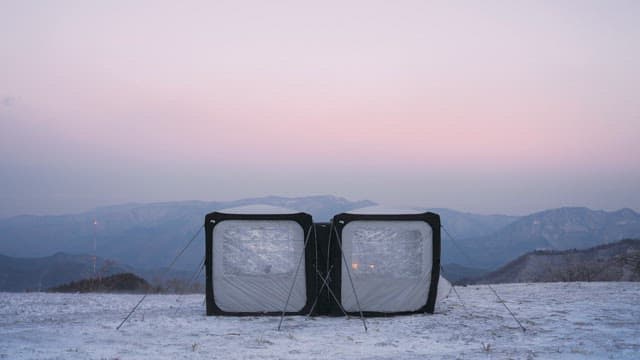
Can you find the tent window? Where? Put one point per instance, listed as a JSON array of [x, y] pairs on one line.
[[260, 248], [390, 262], [380, 250]]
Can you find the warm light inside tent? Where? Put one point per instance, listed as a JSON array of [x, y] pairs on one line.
[[387, 257], [395, 247]]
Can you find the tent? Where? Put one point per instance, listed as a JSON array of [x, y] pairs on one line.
[[254, 254], [389, 260], [373, 261]]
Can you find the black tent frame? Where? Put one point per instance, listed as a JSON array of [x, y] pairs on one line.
[[323, 258], [341, 220], [303, 219]]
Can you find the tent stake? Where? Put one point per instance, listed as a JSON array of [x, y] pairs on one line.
[[489, 285], [163, 275], [191, 280]]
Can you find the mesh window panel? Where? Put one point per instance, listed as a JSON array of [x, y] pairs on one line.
[[390, 263], [254, 262], [386, 251], [266, 248]]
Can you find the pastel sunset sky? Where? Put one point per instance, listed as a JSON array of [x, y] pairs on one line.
[[484, 106]]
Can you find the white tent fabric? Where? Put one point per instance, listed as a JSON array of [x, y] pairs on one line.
[[390, 265], [254, 262], [380, 209], [444, 289], [255, 209], [388, 262]]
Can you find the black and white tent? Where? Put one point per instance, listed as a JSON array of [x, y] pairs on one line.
[[268, 260], [254, 256], [390, 261]]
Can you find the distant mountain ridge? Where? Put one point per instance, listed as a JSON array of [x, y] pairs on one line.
[[147, 236], [42, 273], [556, 229], [141, 235], [39, 274], [456, 272], [618, 261], [118, 283], [466, 225]]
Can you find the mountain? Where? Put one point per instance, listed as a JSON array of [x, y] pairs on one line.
[[467, 225], [123, 282], [455, 272], [21, 274], [148, 236], [557, 229], [41, 273], [463, 226], [141, 235], [618, 261]]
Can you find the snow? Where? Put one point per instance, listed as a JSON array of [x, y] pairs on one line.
[[563, 321]]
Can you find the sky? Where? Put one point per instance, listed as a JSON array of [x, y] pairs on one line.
[[485, 106]]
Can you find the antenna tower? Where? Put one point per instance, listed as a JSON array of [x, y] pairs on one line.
[[95, 225]]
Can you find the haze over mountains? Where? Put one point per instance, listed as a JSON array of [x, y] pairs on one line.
[[147, 236]]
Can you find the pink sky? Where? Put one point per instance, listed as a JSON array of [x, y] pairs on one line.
[[483, 106]]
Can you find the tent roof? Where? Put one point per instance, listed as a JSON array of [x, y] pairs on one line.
[[384, 210], [258, 209]]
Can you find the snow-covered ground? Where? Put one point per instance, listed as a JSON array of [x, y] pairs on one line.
[[563, 321]]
